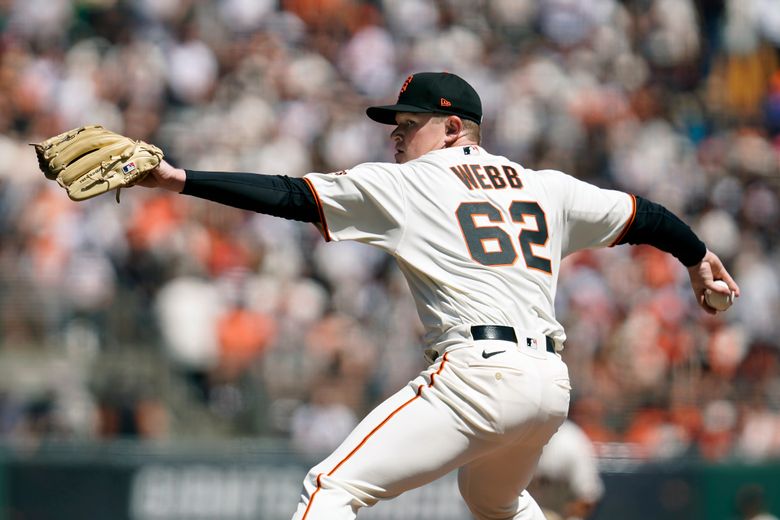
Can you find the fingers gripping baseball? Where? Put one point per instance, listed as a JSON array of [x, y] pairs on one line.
[[90, 160], [712, 284]]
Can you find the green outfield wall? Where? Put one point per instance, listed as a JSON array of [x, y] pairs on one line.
[[260, 480]]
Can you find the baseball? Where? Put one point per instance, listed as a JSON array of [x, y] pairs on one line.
[[718, 300]]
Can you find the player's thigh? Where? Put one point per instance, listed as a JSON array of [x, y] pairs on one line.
[[493, 486], [403, 443]]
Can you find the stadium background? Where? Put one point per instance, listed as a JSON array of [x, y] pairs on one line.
[[163, 348]]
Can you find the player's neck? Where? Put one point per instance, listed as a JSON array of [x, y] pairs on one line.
[[463, 140]]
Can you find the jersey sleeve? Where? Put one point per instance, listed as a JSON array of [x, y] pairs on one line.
[[365, 204], [591, 216]]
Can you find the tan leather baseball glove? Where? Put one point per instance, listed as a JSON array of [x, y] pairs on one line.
[[91, 160]]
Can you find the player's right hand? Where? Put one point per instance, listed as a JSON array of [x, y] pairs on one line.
[[703, 276]]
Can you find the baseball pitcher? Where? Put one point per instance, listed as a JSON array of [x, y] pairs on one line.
[[480, 240]]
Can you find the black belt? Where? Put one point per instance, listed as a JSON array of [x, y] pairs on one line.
[[504, 333]]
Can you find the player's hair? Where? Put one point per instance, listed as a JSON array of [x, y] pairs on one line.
[[472, 129]]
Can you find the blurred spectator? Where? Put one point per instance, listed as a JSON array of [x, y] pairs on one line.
[[243, 336], [319, 425], [188, 309]]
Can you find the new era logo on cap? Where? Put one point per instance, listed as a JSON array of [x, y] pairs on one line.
[[432, 92]]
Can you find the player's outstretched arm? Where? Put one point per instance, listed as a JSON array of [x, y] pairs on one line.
[[276, 195], [703, 276]]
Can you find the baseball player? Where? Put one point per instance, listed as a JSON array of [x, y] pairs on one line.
[[566, 482], [480, 240]]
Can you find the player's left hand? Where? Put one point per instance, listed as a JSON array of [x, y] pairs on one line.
[[90, 160], [703, 276], [165, 176]]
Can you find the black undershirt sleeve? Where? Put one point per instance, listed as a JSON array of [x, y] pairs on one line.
[[277, 195], [657, 226]]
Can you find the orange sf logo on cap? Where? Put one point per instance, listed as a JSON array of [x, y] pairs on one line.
[[406, 84], [445, 103]]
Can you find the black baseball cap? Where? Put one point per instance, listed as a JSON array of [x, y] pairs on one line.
[[432, 92]]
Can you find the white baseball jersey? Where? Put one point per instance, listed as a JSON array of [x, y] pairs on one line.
[[478, 237]]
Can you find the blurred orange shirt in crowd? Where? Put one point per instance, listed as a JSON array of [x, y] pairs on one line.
[[243, 337]]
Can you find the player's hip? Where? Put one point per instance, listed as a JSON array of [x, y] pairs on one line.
[[474, 335], [496, 387]]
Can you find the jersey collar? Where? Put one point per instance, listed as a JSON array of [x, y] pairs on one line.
[[467, 150]]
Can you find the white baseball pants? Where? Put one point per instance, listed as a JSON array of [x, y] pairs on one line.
[[490, 417]]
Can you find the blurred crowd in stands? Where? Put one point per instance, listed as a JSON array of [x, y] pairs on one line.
[[170, 317]]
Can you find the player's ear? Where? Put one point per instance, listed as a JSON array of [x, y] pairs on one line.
[[452, 129]]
